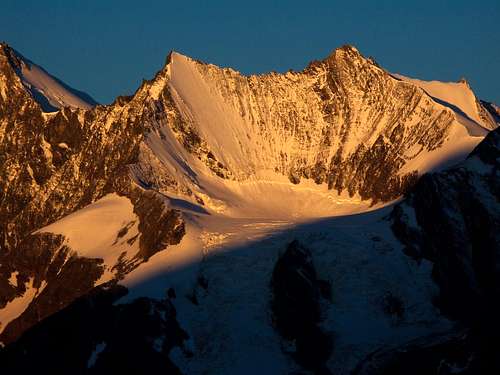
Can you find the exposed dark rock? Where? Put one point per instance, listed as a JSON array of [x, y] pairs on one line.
[[296, 307], [53, 166], [393, 305], [435, 354], [458, 351], [134, 338], [492, 109], [159, 226], [202, 282], [452, 219], [171, 293]]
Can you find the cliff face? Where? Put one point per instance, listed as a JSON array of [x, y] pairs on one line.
[[452, 218], [343, 122], [52, 165]]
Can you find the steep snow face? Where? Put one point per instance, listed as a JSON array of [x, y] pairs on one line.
[[343, 124], [48, 91], [459, 97], [55, 92]]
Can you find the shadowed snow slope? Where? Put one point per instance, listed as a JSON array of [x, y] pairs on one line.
[[230, 323]]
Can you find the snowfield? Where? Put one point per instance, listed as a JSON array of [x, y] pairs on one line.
[[231, 326], [94, 232], [235, 250]]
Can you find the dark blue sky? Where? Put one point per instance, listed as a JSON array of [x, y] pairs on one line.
[[107, 47]]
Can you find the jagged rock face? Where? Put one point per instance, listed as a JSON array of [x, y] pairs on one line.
[[452, 218], [489, 114], [53, 165], [492, 109], [446, 353], [342, 121]]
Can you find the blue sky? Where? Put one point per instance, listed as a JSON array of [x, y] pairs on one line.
[[107, 47]]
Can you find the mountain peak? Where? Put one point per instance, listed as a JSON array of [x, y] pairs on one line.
[[464, 81], [346, 51], [171, 55], [10, 54], [3, 45], [50, 92], [348, 48]]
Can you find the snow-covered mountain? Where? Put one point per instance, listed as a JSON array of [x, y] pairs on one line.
[[196, 183], [459, 97], [51, 93], [342, 122]]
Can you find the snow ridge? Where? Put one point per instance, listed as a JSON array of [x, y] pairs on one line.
[[50, 92]]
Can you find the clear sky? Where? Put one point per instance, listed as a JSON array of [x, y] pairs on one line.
[[106, 47]]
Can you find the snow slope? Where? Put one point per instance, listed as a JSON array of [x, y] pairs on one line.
[[105, 229], [458, 96], [50, 92], [57, 93], [16, 307], [231, 327]]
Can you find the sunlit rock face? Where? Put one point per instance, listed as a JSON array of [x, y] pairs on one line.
[[52, 165], [342, 121], [201, 134]]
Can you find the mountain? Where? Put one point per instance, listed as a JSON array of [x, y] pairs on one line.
[[459, 97], [329, 124], [54, 164], [185, 194], [493, 109], [51, 93], [451, 218]]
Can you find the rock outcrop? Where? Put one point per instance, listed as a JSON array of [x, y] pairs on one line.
[[53, 165], [296, 297]]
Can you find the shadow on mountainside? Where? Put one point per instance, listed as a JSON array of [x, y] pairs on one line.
[[216, 315]]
